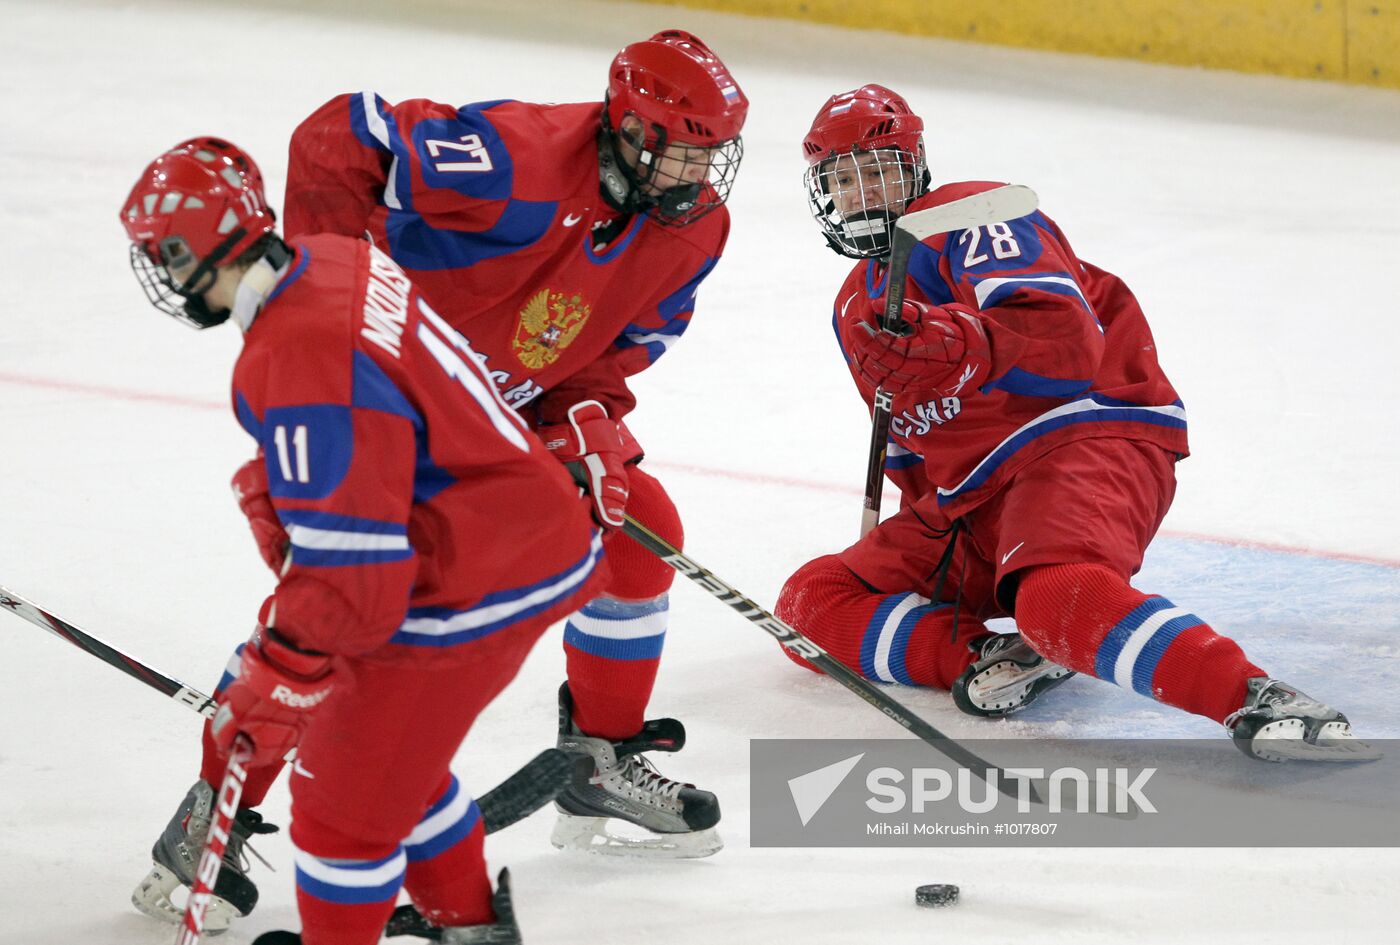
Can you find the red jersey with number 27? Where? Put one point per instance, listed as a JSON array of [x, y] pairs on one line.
[[491, 209]]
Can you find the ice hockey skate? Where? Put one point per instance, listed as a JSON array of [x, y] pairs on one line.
[[1007, 676], [619, 804], [1279, 723], [176, 854], [407, 920]]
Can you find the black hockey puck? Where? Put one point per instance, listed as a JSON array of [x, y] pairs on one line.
[[937, 894]]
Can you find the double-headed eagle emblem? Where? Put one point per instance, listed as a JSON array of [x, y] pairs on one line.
[[549, 323]]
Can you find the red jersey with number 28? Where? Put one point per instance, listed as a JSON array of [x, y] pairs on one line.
[[1072, 357]]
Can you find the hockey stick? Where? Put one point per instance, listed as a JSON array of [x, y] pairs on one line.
[[514, 799], [992, 206], [809, 651], [211, 861]]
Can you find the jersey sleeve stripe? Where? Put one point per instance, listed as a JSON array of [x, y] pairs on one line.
[[320, 539], [992, 292], [1027, 384]]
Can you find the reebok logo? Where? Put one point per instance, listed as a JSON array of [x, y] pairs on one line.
[[296, 700], [812, 790], [968, 373]]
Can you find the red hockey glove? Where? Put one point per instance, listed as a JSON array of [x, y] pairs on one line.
[[271, 701], [251, 490], [591, 446], [941, 349]]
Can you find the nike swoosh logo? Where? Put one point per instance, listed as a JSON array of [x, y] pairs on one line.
[[571, 219], [1007, 556], [298, 769]]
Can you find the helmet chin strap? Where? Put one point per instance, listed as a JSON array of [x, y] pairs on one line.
[[252, 292], [616, 180], [621, 184], [197, 309]]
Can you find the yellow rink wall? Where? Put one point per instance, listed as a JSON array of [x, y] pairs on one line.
[[1346, 40]]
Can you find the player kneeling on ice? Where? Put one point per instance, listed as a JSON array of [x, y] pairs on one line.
[[1033, 439], [398, 475]]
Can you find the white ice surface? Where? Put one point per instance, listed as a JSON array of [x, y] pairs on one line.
[[1254, 217]]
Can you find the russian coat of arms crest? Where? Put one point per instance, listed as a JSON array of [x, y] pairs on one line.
[[549, 323]]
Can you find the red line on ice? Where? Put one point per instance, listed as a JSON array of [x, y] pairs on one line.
[[175, 400]]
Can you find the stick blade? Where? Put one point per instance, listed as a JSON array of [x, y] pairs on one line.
[[526, 791], [993, 206]]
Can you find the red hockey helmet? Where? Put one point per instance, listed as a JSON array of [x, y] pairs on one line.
[[670, 97], [865, 157], [212, 150], [675, 82], [193, 206]]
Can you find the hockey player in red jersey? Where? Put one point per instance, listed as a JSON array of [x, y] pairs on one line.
[[1033, 440], [413, 581], [567, 242]]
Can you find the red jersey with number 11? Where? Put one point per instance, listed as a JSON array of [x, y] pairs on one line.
[[421, 512]]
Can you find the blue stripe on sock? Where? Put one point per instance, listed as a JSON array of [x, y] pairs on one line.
[[637, 648], [1117, 638], [871, 641], [900, 645], [1146, 665]]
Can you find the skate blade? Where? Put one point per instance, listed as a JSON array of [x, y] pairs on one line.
[[592, 835], [1011, 695], [1346, 749], [153, 897]]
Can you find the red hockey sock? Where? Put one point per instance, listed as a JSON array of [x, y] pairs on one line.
[[1087, 618], [613, 644], [884, 637], [346, 888], [613, 649], [446, 871], [260, 780]]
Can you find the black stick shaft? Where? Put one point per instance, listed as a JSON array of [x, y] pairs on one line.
[[167, 685], [814, 654], [517, 797], [881, 410]]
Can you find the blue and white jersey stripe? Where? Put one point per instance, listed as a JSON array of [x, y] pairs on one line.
[[887, 636], [378, 129], [350, 882], [232, 669], [657, 341], [992, 292], [897, 457], [324, 539], [440, 626], [446, 824], [1091, 409], [1131, 651], [619, 629]]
